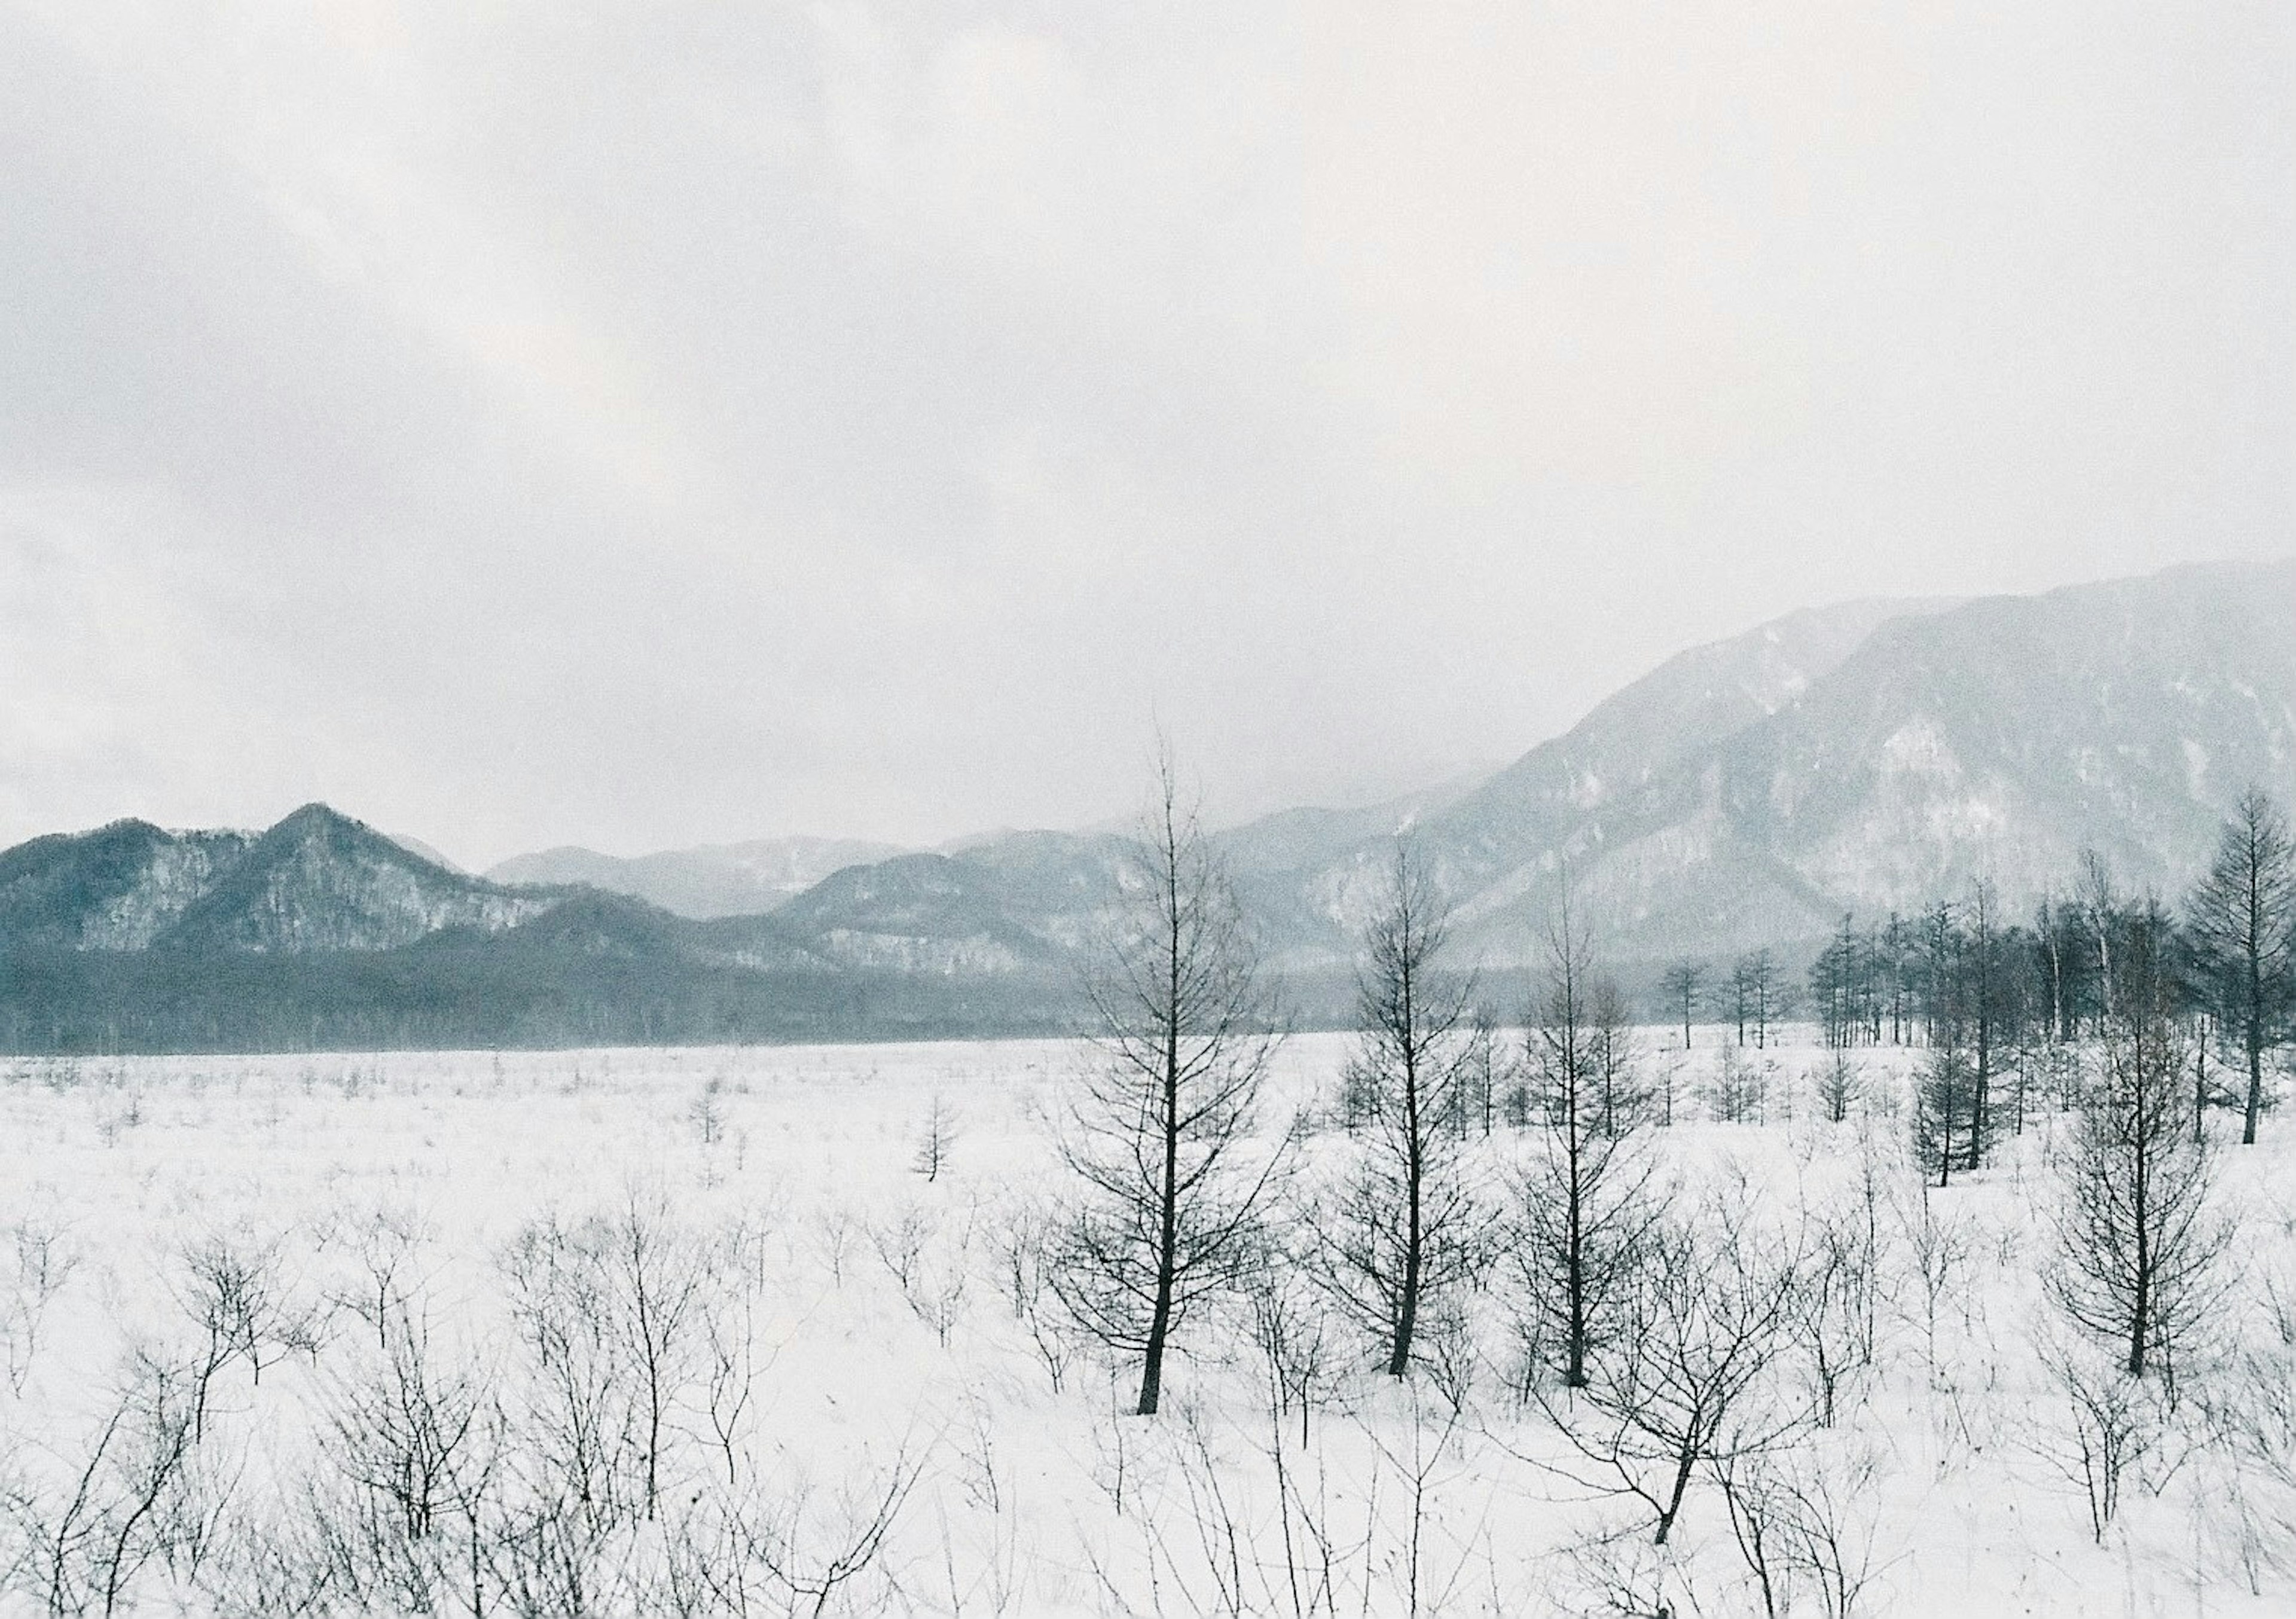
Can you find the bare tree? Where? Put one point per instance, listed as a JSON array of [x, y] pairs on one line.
[[576, 1410], [2242, 923], [936, 1139], [1758, 994], [1737, 1093], [1691, 1378], [107, 1520], [1802, 1524], [386, 1246], [1487, 1068], [806, 1549], [417, 1443], [1682, 983], [1162, 1134], [36, 1262], [2098, 903], [1584, 1199], [1839, 1082], [236, 1295], [1026, 1239], [1623, 1098], [1983, 1005], [1403, 1228], [661, 1277], [1946, 1112], [2139, 1243], [2107, 1422]]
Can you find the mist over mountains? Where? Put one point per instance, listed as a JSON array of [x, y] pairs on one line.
[[1866, 757], [722, 879]]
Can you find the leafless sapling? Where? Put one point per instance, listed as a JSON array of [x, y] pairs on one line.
[[1838, 1080], [417, 1442], [810, 1546], [936, 1139], [1737, 1092], [1694, 1378], [39, 1261]]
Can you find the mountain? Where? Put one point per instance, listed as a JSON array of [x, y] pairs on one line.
[[322, 931], [119, 887], [1995, 737], [1864, 758], [719, 879], [320, 880]]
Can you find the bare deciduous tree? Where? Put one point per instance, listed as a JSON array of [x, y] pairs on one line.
[[1738, 1092], [1839, 1081], [418, 1444], [1681, 985], [1692, 1379], [1584, 1199], [2139, 1242], [1947, 1115], [2242, 921], [107, 1518], [1404, 1227], [936, 1139], [1163, 1133], [36, 1262]]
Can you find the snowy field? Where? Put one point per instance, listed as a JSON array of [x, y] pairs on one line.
[[690, 1332]]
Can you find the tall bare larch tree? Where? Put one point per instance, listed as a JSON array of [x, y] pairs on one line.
[[1406, 1226], [1163, 1134], [2242, 924]]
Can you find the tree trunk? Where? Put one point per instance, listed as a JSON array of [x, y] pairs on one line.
[[1688, 1459], [1406, 1318], [2255, 1043], [1168, 1236]]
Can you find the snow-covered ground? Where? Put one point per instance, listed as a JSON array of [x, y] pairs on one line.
[[316, 1232]]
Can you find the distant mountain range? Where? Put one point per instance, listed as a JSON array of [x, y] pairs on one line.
[[1861, 758], [721, 879]]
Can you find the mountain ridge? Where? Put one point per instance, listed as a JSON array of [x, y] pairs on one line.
[[1750, 791]]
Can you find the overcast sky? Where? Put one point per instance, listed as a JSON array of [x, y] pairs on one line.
[[641, 425]]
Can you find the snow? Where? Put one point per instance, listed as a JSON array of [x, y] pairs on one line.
[[1037, 1501]]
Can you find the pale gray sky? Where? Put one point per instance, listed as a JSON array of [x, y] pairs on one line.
[[650, 424]]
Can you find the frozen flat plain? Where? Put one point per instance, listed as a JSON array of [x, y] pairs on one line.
[[855, 1378]]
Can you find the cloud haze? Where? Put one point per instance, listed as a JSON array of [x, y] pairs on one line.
[[641, 425]]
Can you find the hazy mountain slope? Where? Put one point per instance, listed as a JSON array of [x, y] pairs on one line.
[[715, 880], [1632, 743], [2004, 737], [1025, 902], [1863, 757], [2000, 736]]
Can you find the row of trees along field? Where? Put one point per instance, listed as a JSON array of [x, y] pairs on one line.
[[1963, 975], [1649, 1311]]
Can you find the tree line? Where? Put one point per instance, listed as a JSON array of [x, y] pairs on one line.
[[1964, 975]]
